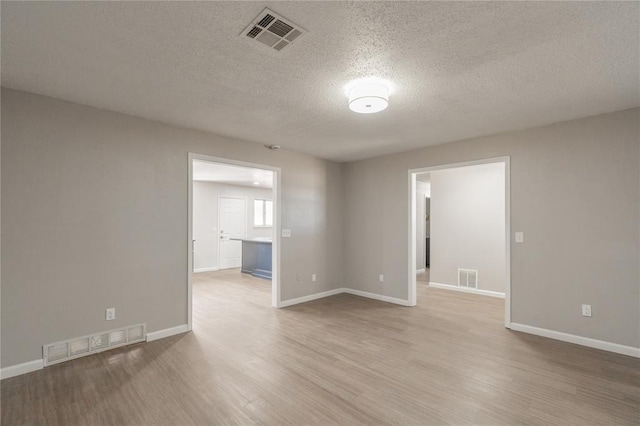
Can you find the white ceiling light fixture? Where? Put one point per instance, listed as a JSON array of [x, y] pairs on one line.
[[368, 97]]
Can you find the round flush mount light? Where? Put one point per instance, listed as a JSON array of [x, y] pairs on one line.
[[367, 97]]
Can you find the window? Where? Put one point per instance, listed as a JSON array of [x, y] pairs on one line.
[[262, 213]]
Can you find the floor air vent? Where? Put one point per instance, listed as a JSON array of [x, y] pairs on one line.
[[468, 278], [273, 31], [93, 343]]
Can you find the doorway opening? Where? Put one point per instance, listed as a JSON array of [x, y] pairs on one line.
[[234, 228], [459, 229], [423, 226]]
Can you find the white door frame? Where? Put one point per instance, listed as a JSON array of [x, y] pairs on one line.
[[276, 300], [246, 218], [412, 226]]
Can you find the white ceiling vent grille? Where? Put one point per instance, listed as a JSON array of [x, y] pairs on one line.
[[468, 278], [273, 31], [93, 343]]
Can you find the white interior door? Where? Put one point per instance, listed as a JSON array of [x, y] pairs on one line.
[[232, 217]]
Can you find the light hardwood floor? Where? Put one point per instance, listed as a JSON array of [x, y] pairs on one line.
[[340, 360]]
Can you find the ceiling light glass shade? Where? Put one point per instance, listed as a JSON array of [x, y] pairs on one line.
[[368, 97]]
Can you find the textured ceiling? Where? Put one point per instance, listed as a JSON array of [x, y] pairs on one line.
[[423, 177], [233, 175], [459, 70]]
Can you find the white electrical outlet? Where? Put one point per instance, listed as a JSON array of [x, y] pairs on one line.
[[313, 278], [586, 310], [111, 314], [286, 233], [381, 278], [519, 237]]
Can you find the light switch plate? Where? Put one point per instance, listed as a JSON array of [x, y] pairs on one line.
[[519, 237], [286, 233]]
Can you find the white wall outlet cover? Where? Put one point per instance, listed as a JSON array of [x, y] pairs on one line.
[[586, 310], [111, 314], [286, 233], [381, 278], [519, 237], [313, 278]]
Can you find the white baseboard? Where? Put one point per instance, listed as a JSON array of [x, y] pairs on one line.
[[167, 332], [578, 340], [310, 297], [195, 271], [376, 296], [24, 368], [38, 364], [333, 292], [468, 290]]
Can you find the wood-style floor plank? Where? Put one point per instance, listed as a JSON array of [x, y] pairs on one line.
[[340, 360]]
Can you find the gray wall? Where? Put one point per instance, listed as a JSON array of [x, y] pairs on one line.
[[468, 225], [205, 218], [575, 192], [94, 215]]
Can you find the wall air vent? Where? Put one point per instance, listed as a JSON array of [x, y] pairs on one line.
[[468, 278], [273, 31], [93, 343]]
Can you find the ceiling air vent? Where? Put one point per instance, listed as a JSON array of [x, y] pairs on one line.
[[254, 32], [273, 31]]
